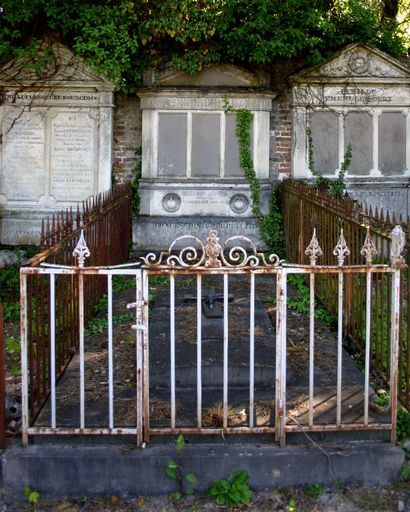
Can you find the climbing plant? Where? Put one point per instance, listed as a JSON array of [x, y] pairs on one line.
[[269, 224], [122, 38], [337, 186]]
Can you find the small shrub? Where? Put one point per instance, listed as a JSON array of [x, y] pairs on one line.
[[232, 491], [314, 491]]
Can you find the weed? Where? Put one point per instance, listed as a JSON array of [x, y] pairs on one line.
[[214, 415], [291, 506], [12, 345], [15, 371], [100, 324], [339, 486], [32, 496], [174, 471], [405, 472], [232, 491], [314, 491]]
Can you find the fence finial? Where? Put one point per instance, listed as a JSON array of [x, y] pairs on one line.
[[313, 250], [81, 250], [213, 250], [341, 250], [369, 248], [398, 240]]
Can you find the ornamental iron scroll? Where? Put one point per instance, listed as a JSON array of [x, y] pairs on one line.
[[236, 252]]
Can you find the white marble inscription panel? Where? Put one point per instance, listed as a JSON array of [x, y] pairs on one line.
[[23, 174], [72, 156]]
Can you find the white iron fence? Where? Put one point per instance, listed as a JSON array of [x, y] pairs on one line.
[[189, 257]]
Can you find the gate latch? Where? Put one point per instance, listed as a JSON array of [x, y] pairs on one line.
[[139, 326]]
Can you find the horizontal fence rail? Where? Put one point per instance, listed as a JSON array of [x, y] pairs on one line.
[[306, 208], [52, 307], [236, 258]]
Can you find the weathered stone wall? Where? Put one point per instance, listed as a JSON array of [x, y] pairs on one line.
[[126, 136]]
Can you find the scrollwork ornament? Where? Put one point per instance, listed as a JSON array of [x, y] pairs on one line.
[[341, 251]]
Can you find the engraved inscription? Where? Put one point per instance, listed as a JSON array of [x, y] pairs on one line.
[[72, 156], [23, 172]]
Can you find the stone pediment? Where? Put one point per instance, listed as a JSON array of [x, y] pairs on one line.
[[62, 68], [223, 75], [356, 63]]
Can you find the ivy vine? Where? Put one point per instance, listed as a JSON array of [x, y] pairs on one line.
[[336, 187], [270, 224], [135, 201]]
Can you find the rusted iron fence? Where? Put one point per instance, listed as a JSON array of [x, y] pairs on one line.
[[304, 208], [2, 380], [188, 256], [106, 221]]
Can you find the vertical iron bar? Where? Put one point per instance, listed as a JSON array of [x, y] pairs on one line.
[[311, 346], [139, 355], [2, 378], [367, 345], [283, 357], [172, 347], [53, 348], [81, 346], [339, 350], [278, 396], [110, 354], [394, 350], [252, 351], [225, 354], [24, 367], [145, 320], [199, 349]]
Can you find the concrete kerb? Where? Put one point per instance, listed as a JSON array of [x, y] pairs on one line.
[[74, 471]]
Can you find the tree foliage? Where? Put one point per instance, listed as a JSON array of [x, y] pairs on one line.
[[122, 38]]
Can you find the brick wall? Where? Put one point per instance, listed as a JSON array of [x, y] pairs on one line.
[[128, 120], [127, 136]]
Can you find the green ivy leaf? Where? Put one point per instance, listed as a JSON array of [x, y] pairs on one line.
[[191, 478]]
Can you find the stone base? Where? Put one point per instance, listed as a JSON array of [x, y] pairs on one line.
[[157, 233], [57, 471], [389, 194], [21, 227]]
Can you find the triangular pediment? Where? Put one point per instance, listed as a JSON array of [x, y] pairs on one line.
[[60, 67], [356, 63], [223, 75]]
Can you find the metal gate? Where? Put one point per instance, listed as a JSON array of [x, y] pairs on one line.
[[188, 256]]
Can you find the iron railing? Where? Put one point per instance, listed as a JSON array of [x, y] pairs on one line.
[[106, 221], [304, 208], [2, 380], [236, 257]]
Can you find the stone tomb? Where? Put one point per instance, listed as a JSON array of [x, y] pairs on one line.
[[56, 143], [360, 97], [191, 176]]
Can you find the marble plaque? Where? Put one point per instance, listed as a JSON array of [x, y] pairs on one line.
[[72, 156], [23, 171]]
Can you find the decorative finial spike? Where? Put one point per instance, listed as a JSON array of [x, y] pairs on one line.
[[368, 250], [341, 250], [81, 250], [313, 250]]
